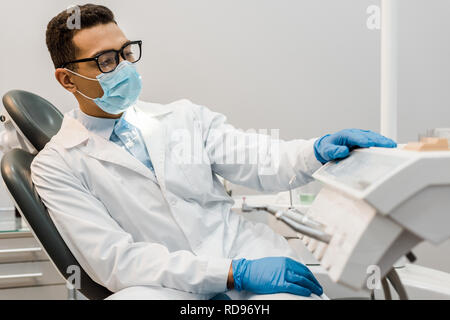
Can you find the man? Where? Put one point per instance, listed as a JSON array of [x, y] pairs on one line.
[[145, 214]]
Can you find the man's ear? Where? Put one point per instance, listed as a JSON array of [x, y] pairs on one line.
[[65, 79]]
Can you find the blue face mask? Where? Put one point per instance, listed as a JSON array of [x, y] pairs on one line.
[[121, 88]]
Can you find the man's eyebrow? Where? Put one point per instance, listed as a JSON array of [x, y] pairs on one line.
[[103, 51]]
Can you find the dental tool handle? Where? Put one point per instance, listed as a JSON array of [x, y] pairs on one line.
[[307, 231], [272, 210], [302, 219]]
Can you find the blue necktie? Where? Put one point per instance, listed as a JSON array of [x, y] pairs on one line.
[[128, 136]]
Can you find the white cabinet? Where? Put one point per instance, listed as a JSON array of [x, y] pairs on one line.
[[26, 271]]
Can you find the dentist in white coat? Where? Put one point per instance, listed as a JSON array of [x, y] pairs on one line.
[[133, 187]]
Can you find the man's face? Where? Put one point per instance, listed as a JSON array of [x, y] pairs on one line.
[[89, 42]]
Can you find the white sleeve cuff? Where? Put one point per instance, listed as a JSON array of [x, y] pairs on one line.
[[216, 275], [309, 157]]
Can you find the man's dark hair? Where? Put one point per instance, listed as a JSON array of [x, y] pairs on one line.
[[59, 35]]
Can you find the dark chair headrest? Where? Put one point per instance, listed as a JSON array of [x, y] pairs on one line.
[[37, 119]]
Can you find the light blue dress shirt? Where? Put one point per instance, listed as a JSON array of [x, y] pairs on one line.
[[120, 132]]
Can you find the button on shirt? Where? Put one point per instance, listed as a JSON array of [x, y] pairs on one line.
[[120, 132]]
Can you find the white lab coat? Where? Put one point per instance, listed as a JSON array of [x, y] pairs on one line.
[[126, 230]]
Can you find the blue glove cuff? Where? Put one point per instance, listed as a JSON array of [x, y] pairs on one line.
[[316, 152], [238, 267]]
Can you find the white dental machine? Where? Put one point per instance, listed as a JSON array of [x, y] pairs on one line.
[[377, 205], [374, 207]]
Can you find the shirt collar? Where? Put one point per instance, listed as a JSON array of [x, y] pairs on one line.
[[100, 126]]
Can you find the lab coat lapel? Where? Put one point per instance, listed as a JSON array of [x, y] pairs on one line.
[[73, 133], [153, 133], [110, 152]]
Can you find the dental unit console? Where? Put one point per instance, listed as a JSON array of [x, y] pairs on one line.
[[376, 205]]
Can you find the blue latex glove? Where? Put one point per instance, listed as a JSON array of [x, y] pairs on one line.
[[274, 275], [338, 145]]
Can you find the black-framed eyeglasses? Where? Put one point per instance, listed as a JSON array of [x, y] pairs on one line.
[[107, 61]]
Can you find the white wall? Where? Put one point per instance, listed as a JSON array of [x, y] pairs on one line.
[[315, 61], [306, 67]]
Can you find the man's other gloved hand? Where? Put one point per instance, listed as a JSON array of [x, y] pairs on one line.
[[338, 145], [274, 275]]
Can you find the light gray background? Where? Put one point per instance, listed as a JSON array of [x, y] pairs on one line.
[[305, 67]]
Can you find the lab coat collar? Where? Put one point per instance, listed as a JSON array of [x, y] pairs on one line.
[[145, 116], [73, 133], [153, 109]]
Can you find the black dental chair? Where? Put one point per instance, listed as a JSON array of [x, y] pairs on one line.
[[38, 120]]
